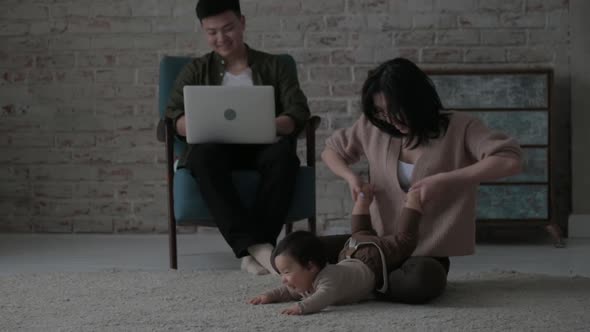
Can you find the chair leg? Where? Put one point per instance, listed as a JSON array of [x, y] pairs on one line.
[[172, 244], [288, 228], [170, 180], [311, 223]]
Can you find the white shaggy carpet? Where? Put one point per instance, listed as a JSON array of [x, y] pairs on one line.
[[216, 301]]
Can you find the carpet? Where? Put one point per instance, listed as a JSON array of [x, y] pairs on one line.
[[216, 301]]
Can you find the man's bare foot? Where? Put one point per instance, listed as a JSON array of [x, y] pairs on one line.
[[250, 265]]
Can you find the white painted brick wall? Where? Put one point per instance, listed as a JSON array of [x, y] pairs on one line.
[[78, 89]]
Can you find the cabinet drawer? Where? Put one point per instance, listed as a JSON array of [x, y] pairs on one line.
[[527, 127], [513, 202], [534, 168], [494, 91]]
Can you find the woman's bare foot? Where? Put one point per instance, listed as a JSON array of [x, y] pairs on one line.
[[250, 265]]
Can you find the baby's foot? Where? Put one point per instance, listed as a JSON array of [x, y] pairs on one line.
[[413, 200], [250, 265]]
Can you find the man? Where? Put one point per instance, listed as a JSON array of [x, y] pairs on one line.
[[251, 233]]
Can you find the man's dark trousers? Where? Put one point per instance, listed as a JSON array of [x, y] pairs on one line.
[[278, 164]]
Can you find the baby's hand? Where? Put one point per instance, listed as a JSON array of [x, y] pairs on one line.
[[292, 310], [260, 299]]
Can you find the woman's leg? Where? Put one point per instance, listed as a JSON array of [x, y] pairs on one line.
[[418, 280]]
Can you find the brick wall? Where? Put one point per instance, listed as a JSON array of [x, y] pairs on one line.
[[78, 88]]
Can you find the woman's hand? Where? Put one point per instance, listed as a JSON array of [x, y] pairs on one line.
[[367, 193], [435, 186], [355, 183], [364, 198]]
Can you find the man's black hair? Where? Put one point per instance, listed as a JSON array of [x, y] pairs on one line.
[[206, 8]]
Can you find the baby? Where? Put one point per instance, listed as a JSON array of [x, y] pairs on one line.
[[362, 267], [306, 276]]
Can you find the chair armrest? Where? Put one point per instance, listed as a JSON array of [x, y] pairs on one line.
[[310, 128], [311, 125]]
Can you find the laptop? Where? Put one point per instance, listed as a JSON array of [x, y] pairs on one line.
[[230, 114]]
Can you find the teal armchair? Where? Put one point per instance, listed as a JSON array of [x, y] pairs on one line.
[[185, 203]]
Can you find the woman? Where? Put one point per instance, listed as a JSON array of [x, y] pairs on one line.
[[411, 144]]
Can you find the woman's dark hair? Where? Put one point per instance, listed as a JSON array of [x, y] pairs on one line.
[[206, 8], [411, 98], [303, 247]]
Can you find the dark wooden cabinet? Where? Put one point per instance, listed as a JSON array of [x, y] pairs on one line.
[[517, 102]]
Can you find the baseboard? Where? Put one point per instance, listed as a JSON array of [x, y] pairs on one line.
[[579, 226]]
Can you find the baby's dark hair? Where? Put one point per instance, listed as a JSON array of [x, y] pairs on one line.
[[303, 247], [206, 8]]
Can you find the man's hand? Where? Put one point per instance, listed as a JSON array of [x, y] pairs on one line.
[[260, 299], [181, 126], [292, 310], [285, 125]]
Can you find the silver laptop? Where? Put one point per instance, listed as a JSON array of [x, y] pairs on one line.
[[230, 114]]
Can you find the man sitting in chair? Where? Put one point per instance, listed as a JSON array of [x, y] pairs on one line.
[[251, 233]]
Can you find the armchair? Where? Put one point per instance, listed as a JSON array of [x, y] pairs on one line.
[[185, 203]]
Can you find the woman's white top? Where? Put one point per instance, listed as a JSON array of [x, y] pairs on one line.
[[404, 173]]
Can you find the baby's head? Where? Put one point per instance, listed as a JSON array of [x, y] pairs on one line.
[[299, 257]]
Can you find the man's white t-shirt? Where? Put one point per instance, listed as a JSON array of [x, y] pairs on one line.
[[242, 79]]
